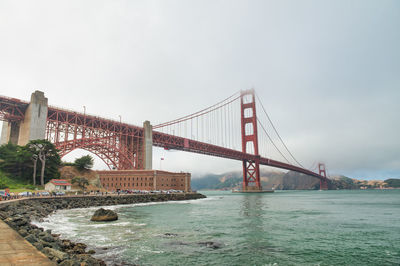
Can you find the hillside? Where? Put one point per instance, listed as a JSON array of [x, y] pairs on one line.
[[69, 172], [287, 181], [66, 172], [269, 180]]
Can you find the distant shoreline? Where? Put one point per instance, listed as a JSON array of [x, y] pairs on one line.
[[385, 188]]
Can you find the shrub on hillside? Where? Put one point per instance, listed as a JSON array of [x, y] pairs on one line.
[[67, 164], [84, 162], [81, 181]]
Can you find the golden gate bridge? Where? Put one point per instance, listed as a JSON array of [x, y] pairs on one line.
[[229, 129]]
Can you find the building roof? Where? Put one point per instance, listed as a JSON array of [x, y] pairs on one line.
[[60, 182]]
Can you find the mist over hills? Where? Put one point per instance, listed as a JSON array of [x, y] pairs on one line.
[[278, 180], [269, 179]]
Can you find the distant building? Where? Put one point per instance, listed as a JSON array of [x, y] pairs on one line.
[[58, 185], [144, 180]]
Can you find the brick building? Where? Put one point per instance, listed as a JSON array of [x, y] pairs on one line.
[[144, 180]]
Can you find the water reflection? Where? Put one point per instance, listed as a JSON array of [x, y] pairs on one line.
[[251, 205]]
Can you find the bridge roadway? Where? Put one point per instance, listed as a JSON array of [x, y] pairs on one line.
[[183, 144], [14, 109]]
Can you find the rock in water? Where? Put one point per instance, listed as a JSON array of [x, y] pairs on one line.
[[104, 215], [211, 244]]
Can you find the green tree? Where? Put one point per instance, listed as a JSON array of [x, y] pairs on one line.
[[81, 181], [34, 159], [84, 162], [3, 181], [47, 154], [15, 161], [19, 162]]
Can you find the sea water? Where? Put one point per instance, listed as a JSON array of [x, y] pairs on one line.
[[357, 227]]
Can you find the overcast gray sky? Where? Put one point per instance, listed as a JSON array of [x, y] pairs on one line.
[[327, 71]]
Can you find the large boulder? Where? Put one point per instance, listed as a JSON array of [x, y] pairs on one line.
[[104, 215]]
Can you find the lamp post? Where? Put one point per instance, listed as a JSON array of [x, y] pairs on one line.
[[120, 124], [120, 131], [84, 122]]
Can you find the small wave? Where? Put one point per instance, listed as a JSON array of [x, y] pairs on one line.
[[106, 224], [139, 224], [99, 238], [58, 223], [146, 249]]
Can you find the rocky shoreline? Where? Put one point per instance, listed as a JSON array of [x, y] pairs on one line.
[[19, 214]]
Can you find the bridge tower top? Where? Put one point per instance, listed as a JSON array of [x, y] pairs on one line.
[[323, 183], [322, 169]]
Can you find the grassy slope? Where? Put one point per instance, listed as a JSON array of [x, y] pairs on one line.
[[15, 185]]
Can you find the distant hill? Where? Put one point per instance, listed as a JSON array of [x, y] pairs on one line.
[[269, 180], [287, 181], [395, 183], [212, 181]]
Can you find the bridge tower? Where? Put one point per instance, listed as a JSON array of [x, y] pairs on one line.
[[251, 168], [323, 183]]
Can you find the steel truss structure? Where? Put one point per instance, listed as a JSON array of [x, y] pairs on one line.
[[12, 109], [121, 146], [118, 144]]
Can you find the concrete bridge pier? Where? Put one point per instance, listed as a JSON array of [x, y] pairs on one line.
[[9, 132], [32, 127], [148, 145]]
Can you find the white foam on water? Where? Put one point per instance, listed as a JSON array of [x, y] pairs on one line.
[[58, 223], [129, 231], [147, 249], [97, 225], [139, 224], [99, 238]]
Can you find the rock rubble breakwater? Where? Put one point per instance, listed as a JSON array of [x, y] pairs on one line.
[[19, 214]]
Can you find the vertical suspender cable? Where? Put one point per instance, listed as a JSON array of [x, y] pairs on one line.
[[277, 132]]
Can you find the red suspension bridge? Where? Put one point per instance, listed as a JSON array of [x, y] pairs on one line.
[[229, 129]]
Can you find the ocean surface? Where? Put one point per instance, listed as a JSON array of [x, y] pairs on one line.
[[359, 227]]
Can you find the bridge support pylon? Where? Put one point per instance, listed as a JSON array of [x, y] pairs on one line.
[[251, 168], [323, 183], [148, 145], [33, 125]]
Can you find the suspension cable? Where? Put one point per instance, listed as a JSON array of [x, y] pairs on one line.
[[269, 119], [201, 112], [259, 122]]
